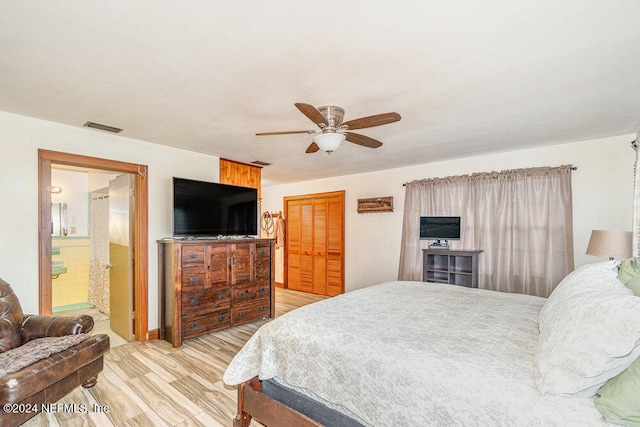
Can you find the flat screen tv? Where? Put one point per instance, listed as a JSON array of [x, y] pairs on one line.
[[440, 228], [210, 209]]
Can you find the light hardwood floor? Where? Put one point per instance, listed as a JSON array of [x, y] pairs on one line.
[[154, 384]]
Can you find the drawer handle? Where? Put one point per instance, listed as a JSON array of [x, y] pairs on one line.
[[193, 302], [193, 325], [262, 252], [240, 294], [193, 256], [263, 308], [262, 289], [241, 313], [221, 318], [262, 270], [193, 279], [220, 297]]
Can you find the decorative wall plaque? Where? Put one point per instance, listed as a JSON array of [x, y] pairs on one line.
[[375, 204]]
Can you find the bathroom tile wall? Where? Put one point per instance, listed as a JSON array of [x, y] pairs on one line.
[[72, 287]]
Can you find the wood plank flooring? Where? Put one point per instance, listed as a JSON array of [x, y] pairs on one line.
[[154, 384]]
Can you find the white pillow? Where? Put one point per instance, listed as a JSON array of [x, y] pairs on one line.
[[589, 331]]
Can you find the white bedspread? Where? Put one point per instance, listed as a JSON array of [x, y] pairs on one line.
[[414, 354]]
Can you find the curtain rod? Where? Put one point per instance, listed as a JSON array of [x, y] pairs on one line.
[[573, 168]]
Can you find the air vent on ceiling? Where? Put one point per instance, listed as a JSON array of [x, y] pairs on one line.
[[103, 127], [261, 163]]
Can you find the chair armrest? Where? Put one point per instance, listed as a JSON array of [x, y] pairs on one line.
[[54, 326]]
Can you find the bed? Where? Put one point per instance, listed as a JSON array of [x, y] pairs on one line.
[[415, 353]]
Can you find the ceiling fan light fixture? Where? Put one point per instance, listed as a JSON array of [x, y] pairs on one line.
[[329, 141]]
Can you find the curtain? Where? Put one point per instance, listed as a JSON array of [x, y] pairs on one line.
[[521, 219], [99, 253], [636, 201]]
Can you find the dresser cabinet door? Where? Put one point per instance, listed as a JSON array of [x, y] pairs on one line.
[[242, 255], [218, 272]]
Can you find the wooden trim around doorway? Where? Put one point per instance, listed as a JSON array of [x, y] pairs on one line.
[[140, 239]]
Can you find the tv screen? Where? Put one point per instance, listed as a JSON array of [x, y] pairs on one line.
[[440, 227], [211, 209]]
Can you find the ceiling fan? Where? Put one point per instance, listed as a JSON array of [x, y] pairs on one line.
[[333, 131]]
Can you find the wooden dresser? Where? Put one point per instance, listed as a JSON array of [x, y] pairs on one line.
[[208, 285]]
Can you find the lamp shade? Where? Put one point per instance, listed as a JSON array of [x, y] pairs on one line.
[[610, 243], [329, 141]]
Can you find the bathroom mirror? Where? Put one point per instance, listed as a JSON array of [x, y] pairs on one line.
[[59, 219]]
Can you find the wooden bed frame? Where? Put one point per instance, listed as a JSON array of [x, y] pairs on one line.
[[252, 403]]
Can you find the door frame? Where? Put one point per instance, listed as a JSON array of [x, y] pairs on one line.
[[46, 158]]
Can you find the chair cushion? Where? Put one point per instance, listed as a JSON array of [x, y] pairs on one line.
[[19, 385], [10, 318], [38, 349]]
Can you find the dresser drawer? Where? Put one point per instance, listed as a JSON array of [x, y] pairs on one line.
[[193, 256], [193, 278], [251, 312], [196, 302], [250, 293], [263, 253], [263, 272], [197, 325]]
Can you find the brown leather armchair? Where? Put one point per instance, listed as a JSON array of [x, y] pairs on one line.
[[47, 380]]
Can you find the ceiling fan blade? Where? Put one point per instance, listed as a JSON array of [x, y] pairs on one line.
[[371, 121], [365, 141], [312, 148], [288, 132], [312, 113]]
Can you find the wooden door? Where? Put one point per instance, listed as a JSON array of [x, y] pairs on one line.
[[335, 246], [319, 251], [314, 248], [292, 267], [306, 246]]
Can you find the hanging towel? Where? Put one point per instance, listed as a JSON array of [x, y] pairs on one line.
[[279, 232]]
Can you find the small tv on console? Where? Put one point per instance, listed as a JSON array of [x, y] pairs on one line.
[[439, 228], [208, 209]]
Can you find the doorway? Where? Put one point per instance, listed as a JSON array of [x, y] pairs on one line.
[[139, 239], [92, 259]]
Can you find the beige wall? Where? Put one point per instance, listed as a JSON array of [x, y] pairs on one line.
[[20, 139], [602, 199], [602, 195]]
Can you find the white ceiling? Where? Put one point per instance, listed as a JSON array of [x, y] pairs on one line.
[[467, 76]]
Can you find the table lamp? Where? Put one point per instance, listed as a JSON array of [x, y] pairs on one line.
[[611, 243]]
